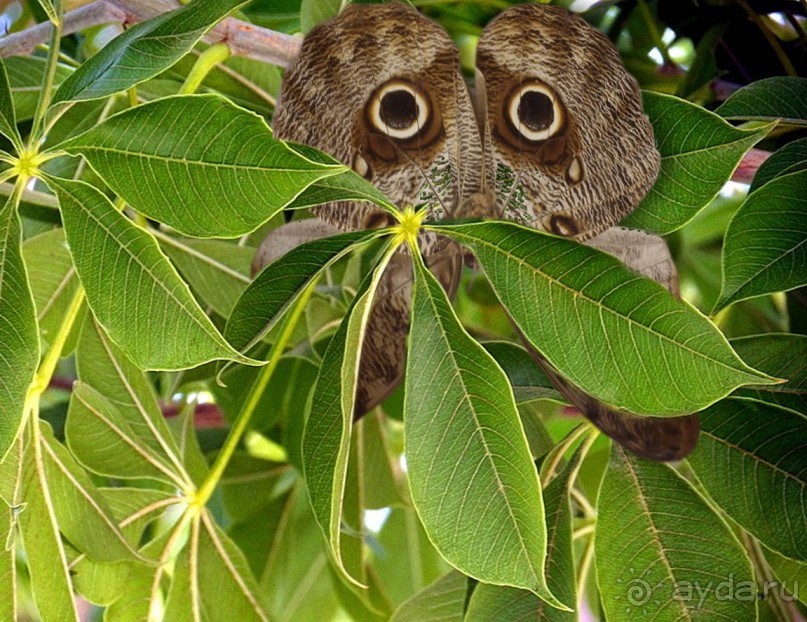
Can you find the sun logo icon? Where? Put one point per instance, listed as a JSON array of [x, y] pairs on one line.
[[636, 591]]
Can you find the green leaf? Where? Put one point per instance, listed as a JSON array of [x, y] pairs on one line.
[[120, 433], [326, 440], [105, 442], [791, 574], [264, 302], [781, 97], [25, 74], [122, 588], [212, 571], [529, 382], [312, 12], [405, 559], [143, 51], [750, 459], [83, 515], [789, 159], [765, 249], [662, 552], [132, 288], [781, 356], [45, 555], [8, 499], [199, 164], [494, 602], [19, 339], [53, 278], [471, 474], [443, 601], [8, 122], [699, 152], [218, 271], [296, 576], [618, 336]]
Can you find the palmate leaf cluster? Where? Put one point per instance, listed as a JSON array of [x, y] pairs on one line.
[[133, 211]]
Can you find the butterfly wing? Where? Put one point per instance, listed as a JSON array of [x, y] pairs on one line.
[[573, 153], [379, 88], [572, 149]]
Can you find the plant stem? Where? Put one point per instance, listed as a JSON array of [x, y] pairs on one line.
[[48, 364], [50, 75], [556, 455], [207, 60], [250, 404]]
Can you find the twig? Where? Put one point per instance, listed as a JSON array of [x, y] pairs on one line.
[[243, 38]]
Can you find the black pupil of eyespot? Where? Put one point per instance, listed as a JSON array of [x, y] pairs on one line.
[[399, 110], [535, 110]]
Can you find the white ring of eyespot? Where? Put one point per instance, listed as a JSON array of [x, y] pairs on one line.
[[420, 101], [557, 113]]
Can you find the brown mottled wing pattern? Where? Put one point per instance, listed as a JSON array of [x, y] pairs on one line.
[[379, 87], [572, 149]]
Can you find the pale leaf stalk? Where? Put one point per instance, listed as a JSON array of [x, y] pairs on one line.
[[48, 365], [583, 570], [765, 577], [206, 62], [170, 548], [50, 75], [248, 409], [548, 471]]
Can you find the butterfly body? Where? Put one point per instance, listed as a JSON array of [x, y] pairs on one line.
[[553, 136]]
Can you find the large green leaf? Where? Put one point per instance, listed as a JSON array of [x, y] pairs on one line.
[[472, 477], [8, 562], [143, 51], [782, 356], [132, 288], [621, 337], [199, 164], [766, 242], [781, 97], [326, 440], [750, 459], [45, 554], [82, 512], [19, 340], [662, 552], [296, 576], [212, 571], [495, 602], [278, 285], [699, 152], [217, 270], [442, 601], [8, 122], [789, 159], [120, 433], [25, 74]]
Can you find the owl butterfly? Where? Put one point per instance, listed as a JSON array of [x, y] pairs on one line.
[[552, 136]]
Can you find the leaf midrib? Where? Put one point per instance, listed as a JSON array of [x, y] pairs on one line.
[[595, 303]]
